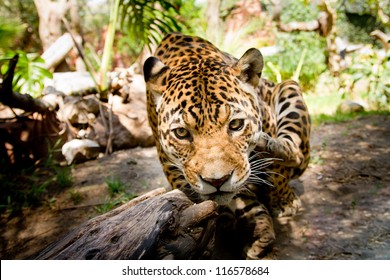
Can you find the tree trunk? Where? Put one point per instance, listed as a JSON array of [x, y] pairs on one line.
[[50, 14], [157, 225], [213, 21]]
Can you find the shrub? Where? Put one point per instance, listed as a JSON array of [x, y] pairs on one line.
[[287, 60]]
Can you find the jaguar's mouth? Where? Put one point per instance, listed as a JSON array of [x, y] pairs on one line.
[[220, 197]]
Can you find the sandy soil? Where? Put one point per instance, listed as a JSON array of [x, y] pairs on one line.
[[345, 193]]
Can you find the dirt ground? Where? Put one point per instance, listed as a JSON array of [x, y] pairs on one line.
[[345, 194]]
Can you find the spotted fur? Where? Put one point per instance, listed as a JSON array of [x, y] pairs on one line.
[[226, 134]]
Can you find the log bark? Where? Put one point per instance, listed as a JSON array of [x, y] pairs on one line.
[[157, 225]]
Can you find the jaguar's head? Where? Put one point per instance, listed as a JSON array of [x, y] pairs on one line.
[[208, 120]]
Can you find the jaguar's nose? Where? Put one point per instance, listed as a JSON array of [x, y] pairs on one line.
[[217, 183]]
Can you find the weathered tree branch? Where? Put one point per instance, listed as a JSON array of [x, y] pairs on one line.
[[153, 226]]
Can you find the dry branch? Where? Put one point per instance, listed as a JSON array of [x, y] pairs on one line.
[[153, 226]]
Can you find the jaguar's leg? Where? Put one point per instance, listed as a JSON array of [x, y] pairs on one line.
[[286, 140], [255, 226], [283, 200]]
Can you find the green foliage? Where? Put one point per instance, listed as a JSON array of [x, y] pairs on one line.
[[127, 47], [316, 159], [30, 72], [287, 61], [31, 186], [76, 196], [115, 186], [190, 18], [107, 206], [343, 117], [357, 28], [376, 71], [63, 176], [20, 15], [34, 195], [118, 196], [356, 19], [298, 10], [320, 103], [147, 20], [366, 6], [236, 43], [9, 31], [185, 13], [354, 203]]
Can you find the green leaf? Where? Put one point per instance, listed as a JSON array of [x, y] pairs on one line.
[[147, 23], [29, 72]]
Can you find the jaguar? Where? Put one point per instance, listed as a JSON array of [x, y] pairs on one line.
[[226, 134]]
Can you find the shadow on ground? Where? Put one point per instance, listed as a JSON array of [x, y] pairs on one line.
[[345, 193]]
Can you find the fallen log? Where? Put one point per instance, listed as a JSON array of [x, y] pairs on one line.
[[157, 225], [72, 83], [57, 52]]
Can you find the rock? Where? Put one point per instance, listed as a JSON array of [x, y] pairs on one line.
[[79, 150], [349, 106]]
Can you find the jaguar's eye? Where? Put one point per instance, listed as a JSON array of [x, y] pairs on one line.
[[236, 124], [181, 133]]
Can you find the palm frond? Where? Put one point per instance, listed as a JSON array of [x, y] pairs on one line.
[[148, 21]]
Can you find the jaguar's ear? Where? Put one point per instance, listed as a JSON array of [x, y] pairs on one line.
[[155, 74], [250, 66]]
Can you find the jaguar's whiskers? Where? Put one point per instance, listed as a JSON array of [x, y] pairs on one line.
[[258, 169]]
